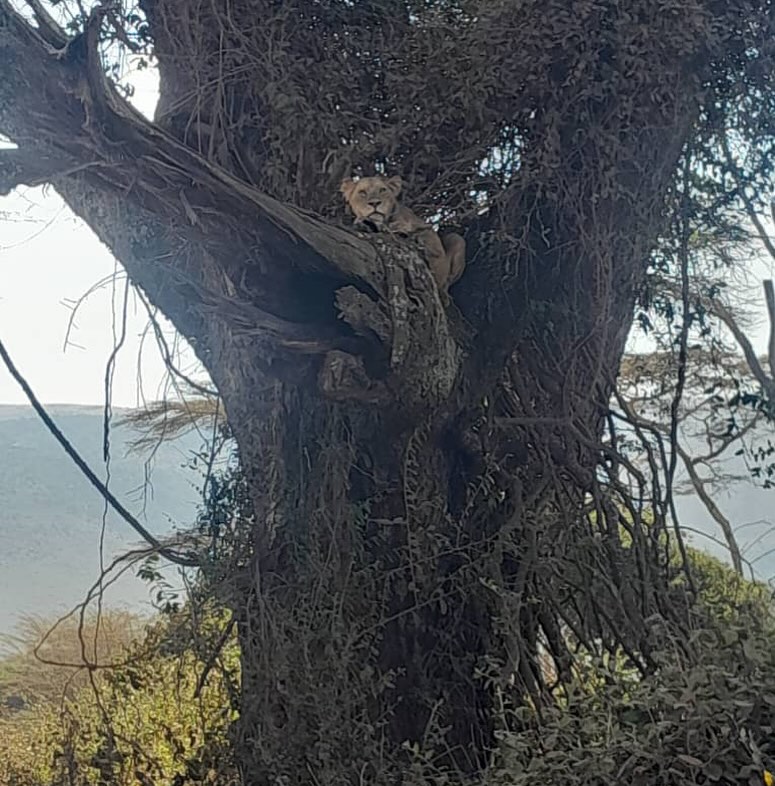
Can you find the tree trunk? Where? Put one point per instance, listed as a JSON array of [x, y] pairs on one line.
[[417, 477]]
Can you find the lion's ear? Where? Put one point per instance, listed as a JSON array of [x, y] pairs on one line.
[[348, 184], [395, 185]]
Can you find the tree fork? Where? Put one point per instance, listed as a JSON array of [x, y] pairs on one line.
[[116, 151], [415, 477]]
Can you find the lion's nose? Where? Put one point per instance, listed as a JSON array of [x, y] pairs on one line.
[[376, 203]]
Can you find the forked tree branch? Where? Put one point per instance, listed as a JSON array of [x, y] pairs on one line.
[[47, 25], [725, 315], [67, 119], [715, 306], [698, 484], [132, 154]]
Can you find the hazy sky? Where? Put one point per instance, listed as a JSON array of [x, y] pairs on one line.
[[49, 259]]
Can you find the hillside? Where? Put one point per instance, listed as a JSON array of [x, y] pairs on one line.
[[51, 518]]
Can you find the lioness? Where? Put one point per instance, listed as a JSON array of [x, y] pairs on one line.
[[374, 200]]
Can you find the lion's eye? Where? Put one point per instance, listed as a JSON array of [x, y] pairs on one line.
[[361, 194], [382, 190]]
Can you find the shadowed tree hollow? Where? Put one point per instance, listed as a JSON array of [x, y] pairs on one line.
[[436, 515]]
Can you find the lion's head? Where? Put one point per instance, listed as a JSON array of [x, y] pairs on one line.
[[372, 199]]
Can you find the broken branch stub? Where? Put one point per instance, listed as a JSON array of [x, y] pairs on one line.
[[423, 359]]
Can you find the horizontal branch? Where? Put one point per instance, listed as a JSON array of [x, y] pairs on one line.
[[246, 319]]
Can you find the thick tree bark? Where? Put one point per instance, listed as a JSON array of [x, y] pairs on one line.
[[416, 476]]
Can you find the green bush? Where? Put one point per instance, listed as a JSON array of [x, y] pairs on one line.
[[155, 713], [704, 715]]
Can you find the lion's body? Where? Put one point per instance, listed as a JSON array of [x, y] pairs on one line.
[[374, 200]]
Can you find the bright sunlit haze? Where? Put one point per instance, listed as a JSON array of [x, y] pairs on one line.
[[50, 261]]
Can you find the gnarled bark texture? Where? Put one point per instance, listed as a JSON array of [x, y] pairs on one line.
[[417, 477]]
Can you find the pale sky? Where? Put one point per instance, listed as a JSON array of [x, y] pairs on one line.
[[49, 259]]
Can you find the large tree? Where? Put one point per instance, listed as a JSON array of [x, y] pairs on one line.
[[435, 507]]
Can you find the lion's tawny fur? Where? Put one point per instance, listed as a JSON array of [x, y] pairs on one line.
[[374, 200]]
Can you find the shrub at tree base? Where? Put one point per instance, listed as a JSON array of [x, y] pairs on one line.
[[142, 722], [705, 716], [687, 724]]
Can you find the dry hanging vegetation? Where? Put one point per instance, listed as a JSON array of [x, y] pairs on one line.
[[437, 522]]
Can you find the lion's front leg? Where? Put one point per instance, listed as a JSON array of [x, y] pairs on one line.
[[436, 257], [455, 248]]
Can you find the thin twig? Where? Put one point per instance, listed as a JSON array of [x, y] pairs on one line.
[[219, 645], [769, 296]]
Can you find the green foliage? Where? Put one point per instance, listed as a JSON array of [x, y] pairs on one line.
[[158, 713], [682, 725], [726, 596], [705, 715]]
